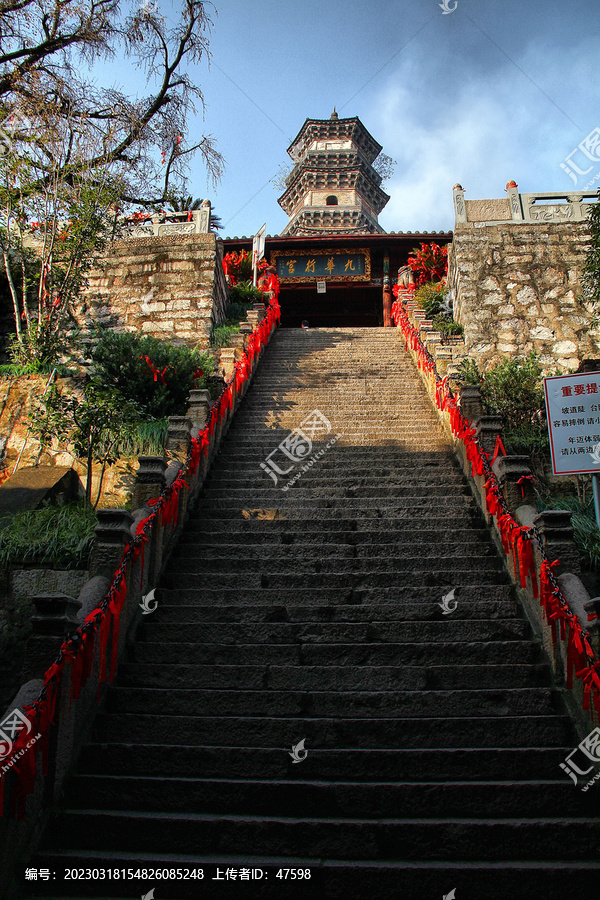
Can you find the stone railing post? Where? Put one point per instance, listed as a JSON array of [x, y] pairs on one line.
[[487, 429], [554, 526], [510, 470], [443, 358], [149, 479], [460, 211], [56, 617], [199, 407], [113, 533], [227, 363], [178, 437]]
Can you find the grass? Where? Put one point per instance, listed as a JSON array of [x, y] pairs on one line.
[[147, 438], [222, 334], [57, 537]]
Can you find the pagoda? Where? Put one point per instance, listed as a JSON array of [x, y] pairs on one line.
[[333, 187]]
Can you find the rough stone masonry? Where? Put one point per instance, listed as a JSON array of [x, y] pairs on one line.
[[517, 283], [170, 287]]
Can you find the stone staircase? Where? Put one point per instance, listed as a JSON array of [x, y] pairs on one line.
[[313, 614]]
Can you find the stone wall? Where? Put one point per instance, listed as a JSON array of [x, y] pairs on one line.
[[169, 287], [517, 288]]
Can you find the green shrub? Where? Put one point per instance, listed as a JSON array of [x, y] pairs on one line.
[[431, 298], [446, 326], [468, 372], [512, 389], [120, 362], [245, 293], [60, 537], [222, 334]]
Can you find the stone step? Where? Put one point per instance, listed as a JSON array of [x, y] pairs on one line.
[[311, 492], [339, 703], [319, 800], [328, 678], [421, 764], [263, 520], [482, 652], [428, 610], [340, 733], [450, 629], [287, 582], [236, 479], [490, 839], [295, 505], [272, 599], [311, 542], [295, 564]]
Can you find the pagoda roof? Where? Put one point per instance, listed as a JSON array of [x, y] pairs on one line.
[[315, 129]]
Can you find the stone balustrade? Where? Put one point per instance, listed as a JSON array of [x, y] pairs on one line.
[[58, 615]]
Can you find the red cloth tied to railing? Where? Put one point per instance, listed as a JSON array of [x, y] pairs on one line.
[[591, 682], [549, 594], [521, 480], [499, 446], [194, 456], [78, 651]]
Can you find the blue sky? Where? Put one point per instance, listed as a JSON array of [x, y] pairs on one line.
[[493, 91]]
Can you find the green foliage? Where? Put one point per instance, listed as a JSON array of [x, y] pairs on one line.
[[146, 438], [120, 363], [468, 371], [591, 271], [222, 334], [61, 537], [446, 326], [514, 390], [527, 440], [244, 293], [38, 351], [90, 423], [431, 298]]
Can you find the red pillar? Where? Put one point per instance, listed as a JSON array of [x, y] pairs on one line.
[[387, 304]]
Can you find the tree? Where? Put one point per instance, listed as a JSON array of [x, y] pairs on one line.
[[91, 424], [44, 47], [384, 165], [72, 154]]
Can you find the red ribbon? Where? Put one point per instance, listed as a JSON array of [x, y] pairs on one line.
[[499, 446]]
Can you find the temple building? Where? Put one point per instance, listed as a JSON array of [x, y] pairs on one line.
[[335, 262]]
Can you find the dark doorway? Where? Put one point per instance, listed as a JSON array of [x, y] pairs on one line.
[[357, 306]]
